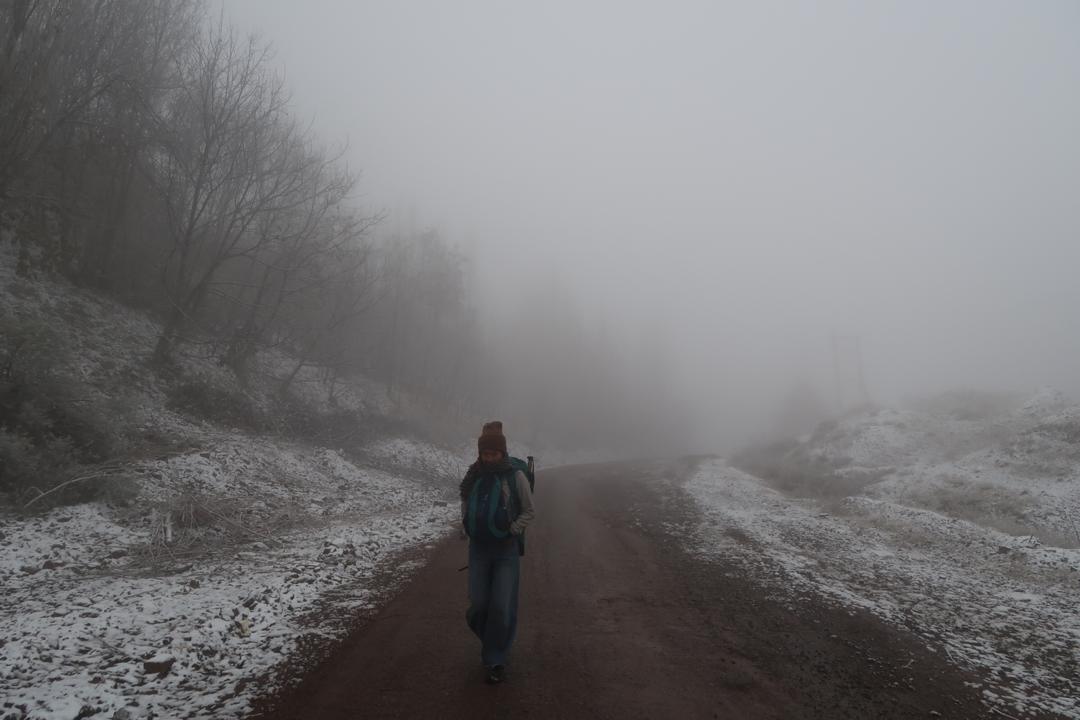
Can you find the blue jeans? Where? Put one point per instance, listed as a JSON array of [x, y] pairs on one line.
[[494, 572]]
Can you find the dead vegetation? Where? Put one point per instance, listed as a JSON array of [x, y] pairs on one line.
[[787, 466], [195, 527], [959, 457]]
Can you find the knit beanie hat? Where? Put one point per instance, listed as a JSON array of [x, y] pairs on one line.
[[492, 438]]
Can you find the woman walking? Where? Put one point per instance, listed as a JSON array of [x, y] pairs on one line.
[[496, 507]]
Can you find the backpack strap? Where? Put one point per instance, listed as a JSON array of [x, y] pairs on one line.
[[493, 506], [517, 508], [515, 502], [474, 501]]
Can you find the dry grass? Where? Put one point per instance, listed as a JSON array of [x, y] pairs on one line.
[[193, 526], [1008, 511], [990, 506], [787, 467]]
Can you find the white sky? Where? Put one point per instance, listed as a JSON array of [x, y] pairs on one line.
[[750, 177]]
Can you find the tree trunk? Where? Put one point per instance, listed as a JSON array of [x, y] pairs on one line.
[[97, 255], [166, 341]]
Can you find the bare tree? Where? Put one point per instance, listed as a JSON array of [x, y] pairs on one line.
[[114, 246], [225, 160], [74, 79], [294, 240], [322, 326]]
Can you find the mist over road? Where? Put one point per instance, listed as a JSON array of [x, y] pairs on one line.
[[618, 620]]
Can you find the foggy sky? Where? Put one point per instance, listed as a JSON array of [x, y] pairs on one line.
[[737, 181]]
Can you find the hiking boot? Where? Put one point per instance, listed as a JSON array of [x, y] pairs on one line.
[[495, 675]]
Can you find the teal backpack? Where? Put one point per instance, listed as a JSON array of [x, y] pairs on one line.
[[488, 517], [529, 468]]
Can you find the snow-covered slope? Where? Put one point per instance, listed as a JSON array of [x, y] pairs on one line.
[[1001, 604], [230, 525], [271, 545], [958, 519], [1016, 469]]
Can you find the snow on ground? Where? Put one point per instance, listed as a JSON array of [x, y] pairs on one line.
[[1000, 603], [1025, 480], [405, 455], [412, 456], [220, 544], [103, 617], [1012, 466]]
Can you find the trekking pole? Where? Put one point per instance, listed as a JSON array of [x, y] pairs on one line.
[[1068, 515]]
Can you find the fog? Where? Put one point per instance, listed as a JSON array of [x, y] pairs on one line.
[[729, 186]]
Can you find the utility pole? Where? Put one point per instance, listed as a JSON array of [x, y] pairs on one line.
[[837, 380], [853, 346], [862, 377]]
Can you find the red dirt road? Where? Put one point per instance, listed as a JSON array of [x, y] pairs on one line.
[[618, 621]]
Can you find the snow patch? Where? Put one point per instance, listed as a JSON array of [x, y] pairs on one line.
[[99, 613], [992, 601]]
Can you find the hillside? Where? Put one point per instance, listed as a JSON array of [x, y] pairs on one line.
[[207, 528], [1012, 465], [955, 520]]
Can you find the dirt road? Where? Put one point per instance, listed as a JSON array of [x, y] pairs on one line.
[[619, 621]]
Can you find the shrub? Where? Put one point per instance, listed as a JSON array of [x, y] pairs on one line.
[[29, 467], [332, 428], [204, 398], [788, 467], [51, 424], [988, 505]]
